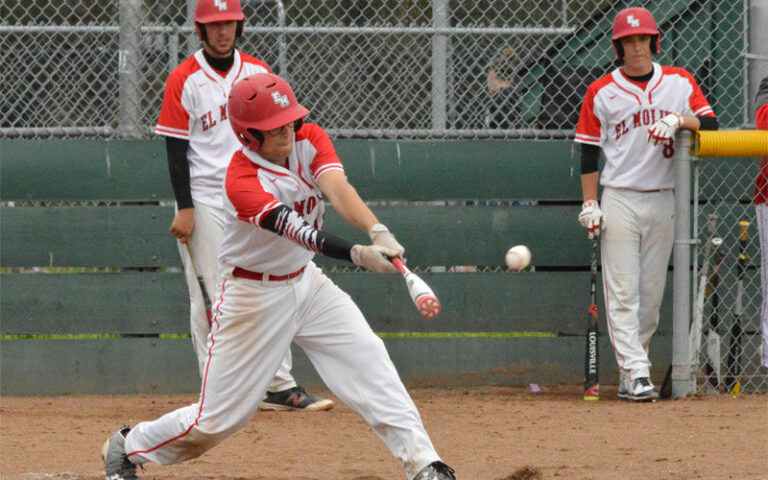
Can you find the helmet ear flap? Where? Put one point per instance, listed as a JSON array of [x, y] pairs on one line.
[[258, 139], [619, 49], [201, 33]]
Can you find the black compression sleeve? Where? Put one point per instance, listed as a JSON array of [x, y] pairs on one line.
[[178, 167], [708, 123], [289, 224], [590, 155]]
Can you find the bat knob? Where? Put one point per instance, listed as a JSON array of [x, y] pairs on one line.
[[428, 306]]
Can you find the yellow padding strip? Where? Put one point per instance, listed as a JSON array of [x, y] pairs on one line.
[[731, 143]]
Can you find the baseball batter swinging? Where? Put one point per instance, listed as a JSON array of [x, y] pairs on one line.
[[632, 115], [199, 145], [270, 293]]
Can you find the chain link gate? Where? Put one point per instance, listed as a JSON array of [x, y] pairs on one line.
[[370, 69], [730, 342]]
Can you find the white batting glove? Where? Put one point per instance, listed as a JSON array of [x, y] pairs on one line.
[[664, 128], [591, 218], [381, 236], [373, 257]]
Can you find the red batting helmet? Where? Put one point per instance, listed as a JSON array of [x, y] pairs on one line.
[[261, 102], [209, 11], [634, 21]]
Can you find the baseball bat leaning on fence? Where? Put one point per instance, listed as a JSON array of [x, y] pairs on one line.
[[733, 366], [201, 282], [694, 334], [591, 373], [712, 350], [423, 296]]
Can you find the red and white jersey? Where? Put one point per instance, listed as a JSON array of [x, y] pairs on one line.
[[616, 115], [761, 121], [195, 109], [255, 186]]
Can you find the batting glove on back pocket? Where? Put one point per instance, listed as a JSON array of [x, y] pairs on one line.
[[592, 218], [664, 128]]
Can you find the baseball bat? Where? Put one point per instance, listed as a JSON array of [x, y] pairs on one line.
[[201, 283], [423, 296], [694, 334], [712, 351], [733, 369], [591, 374]]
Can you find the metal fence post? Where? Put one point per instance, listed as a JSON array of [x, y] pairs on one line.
[[129, 116], [282, 50], [173, 49], [192, 41], [681, 297], [439, 64]]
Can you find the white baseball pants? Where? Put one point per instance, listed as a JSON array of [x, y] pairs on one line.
[[761, 218], [205, 241], [254, 323], [635, 247]]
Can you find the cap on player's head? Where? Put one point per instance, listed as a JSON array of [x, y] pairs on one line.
[[634, 21], [259, 103], [209, 11]]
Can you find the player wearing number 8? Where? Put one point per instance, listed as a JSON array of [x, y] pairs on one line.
[[632, 114]]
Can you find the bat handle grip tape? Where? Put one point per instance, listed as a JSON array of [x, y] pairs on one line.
[[399, 265]]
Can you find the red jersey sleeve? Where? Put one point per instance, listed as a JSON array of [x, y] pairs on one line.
[[325, 158], [174, 119], [245, 191], [698, 103], [588, 128], [761, 117], [761, 182]]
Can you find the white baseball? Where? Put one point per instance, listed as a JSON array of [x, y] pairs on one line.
[[518, 257]]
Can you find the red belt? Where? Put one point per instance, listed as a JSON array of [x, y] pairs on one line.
[[243, 273]]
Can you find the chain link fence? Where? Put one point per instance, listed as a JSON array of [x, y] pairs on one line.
[[418, 69], [732, 297], [366, 69]]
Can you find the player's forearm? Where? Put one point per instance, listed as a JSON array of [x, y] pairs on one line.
[[356, 213], [347, 202], [690, 123], [589, 185], [178, 168], [289, 224], [699, 123]]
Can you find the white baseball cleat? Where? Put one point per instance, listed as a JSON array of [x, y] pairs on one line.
[[642, 390]]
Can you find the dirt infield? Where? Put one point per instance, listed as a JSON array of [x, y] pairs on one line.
[[488, 433]]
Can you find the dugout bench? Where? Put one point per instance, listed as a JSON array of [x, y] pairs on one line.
[[93, 300]]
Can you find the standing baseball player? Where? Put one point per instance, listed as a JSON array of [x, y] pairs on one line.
[[761, 215], [632, 114], [199, 145], [270, 293]]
